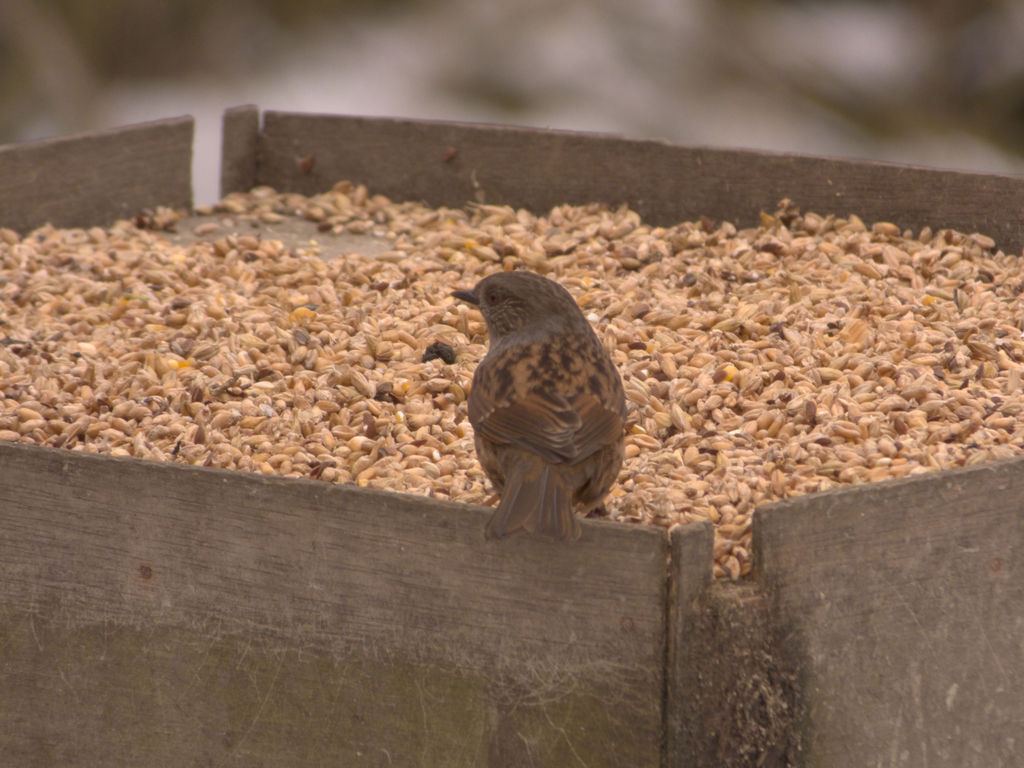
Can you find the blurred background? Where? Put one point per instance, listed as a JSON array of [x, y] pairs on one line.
[[936, 82]]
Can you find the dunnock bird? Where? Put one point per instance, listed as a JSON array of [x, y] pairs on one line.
[[547, 406]]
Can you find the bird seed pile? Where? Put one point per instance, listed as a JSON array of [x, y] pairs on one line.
[[809, 352]]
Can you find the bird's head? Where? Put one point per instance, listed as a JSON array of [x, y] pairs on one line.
[[515, 301]]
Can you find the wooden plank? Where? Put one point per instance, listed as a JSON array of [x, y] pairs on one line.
[[733, 695], [691, 549], [452, 163], [96, 178], [907, 599], [239, 149], [168, 615]]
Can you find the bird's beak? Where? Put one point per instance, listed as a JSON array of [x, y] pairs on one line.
[[466, 296]]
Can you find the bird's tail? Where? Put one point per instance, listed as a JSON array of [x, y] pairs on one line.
[[535, 499]]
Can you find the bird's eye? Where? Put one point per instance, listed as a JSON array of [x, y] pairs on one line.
[[492, 299]]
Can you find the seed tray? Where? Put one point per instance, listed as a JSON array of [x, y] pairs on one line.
[[271, 607]]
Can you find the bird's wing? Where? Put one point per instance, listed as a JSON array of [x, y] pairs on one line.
[[557, 430], [601, 425]]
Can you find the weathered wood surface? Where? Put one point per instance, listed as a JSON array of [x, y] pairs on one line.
[[689, 580], [239, 151], [733, 696], [97, 178], [156, 614], [907, 602], [452, 163]]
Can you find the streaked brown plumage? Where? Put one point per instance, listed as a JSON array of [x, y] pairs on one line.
[[547, 406]]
